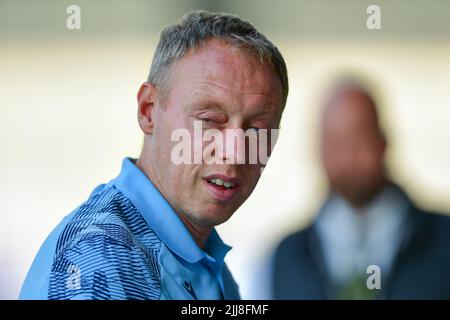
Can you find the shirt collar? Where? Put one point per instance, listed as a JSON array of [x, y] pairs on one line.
[[163, 220]]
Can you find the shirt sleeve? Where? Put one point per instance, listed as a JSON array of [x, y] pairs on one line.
[[103, 265]]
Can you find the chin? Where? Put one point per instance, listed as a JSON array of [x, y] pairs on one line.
[[361, 197], [210, 221], [213, 217]]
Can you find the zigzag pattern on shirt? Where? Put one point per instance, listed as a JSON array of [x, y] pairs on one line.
[[106, 251]]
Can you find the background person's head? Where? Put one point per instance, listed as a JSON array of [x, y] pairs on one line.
[[352, 143], [220, 70]]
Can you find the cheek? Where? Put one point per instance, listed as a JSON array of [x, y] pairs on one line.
[[253, 174], [334, 163], [166, 127], [371, 163], [183, 185]]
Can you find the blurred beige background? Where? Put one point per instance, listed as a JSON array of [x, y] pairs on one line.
[[68, 109]]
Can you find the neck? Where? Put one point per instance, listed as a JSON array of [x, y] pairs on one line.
[[365, 200], [198, 232]]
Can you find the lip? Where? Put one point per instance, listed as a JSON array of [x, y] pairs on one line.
[[221, 193]]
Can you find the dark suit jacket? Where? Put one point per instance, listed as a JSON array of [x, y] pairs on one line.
[[421, 269]]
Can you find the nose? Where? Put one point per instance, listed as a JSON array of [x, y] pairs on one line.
[[234, 146]]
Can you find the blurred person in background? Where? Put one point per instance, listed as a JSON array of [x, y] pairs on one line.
[[150, 232], [366, 220]]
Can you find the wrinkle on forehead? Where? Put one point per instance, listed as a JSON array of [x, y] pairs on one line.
[[233, 70], [214, 83]]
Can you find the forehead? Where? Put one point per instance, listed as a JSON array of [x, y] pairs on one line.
[[218, 68], [352, 110]]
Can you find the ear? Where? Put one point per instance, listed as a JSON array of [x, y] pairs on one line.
[[147, 97]]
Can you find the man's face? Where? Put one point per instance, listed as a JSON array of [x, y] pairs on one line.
[[224, 88], [352, 147]]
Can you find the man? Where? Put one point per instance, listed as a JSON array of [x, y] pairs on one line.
[[368, 233], [149, 233]]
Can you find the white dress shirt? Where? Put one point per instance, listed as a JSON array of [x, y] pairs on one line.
[[352, 239]]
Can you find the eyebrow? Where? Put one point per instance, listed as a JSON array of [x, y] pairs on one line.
[[213, 102], [205, 104]]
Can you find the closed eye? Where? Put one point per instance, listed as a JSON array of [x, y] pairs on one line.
[[208, 121]]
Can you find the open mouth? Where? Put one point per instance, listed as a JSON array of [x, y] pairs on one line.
[[222, 187], [221, 183]]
